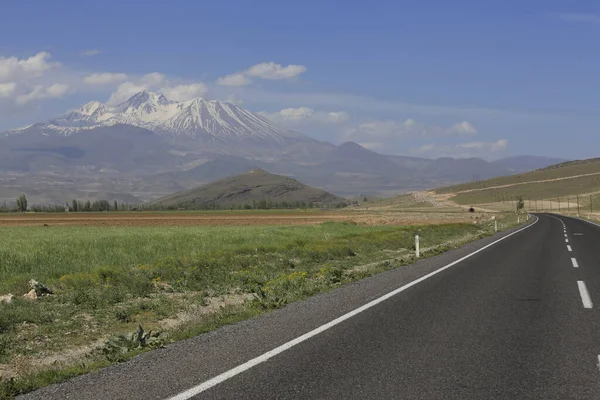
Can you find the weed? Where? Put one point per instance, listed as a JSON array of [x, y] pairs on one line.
[[118, 345]]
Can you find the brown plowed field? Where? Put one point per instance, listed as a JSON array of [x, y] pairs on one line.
[[140, 219]]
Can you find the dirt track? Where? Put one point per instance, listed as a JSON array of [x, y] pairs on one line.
[[222, 219]]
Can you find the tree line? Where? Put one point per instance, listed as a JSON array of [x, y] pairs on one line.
[[21, 205], [262, 204]]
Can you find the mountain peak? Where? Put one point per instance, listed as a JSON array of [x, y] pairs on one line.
[[353, 148], [210, 121], [90, 108], [145, 100]]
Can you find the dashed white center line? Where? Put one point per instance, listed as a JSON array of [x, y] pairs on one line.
[[569, 248], [566, 240], [585, 295], [575, 264]]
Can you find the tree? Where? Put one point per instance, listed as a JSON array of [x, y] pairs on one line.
[[74, 205], [520, 203], [87, 206], [262, 204], [22, 203], [116, 206]]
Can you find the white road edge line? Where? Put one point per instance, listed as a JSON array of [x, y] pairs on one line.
[[585, 295], [569, 248], [286, 346], [575, 264]]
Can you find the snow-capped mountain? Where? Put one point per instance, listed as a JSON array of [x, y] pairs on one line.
[[197, 118]]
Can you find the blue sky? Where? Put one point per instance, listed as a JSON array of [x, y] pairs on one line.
[[426, 78]]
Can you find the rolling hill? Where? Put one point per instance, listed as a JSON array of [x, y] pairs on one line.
[[564, 180], [252, 187]]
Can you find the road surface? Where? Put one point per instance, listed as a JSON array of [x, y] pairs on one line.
[[516, 320]]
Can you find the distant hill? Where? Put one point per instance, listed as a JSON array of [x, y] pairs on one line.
[[526, 163], [252, 187], [150, 145], [564, 180]]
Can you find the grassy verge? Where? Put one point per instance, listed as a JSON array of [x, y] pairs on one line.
[[176, 281]]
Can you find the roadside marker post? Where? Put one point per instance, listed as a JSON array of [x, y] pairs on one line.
[[417, 250], [496, 225]]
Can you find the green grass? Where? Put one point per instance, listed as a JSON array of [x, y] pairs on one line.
[[47, 253], [553, 172], [109, 280]]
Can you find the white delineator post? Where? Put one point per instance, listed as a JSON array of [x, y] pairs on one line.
[[417, 250], [518, 220], [496, 225]]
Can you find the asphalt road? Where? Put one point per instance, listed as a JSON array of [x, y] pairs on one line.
[[517, 320]]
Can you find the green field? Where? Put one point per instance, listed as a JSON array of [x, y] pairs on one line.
[[107, 281], [564, 170]]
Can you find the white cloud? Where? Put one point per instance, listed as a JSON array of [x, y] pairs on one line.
[[57, 90], [91, 52], [237, 79], [266, 70], [490, 146], [125, 91], [106, 78], [153, 79], [156, 81], [579, 17], [294, 117], [233, 100], [40, 92], [392, 129], [7, 89], [14, 69], [337, 117], [292, 114], [274, 71], [185, 92], [462, 150], [464, 127], [367, 104]]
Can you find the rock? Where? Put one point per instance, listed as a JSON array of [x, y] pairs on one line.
[[8, 298], [31, 295], [40, 288]]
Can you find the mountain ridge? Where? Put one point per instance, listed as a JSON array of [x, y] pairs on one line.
[[150, 145], [207, 119]]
